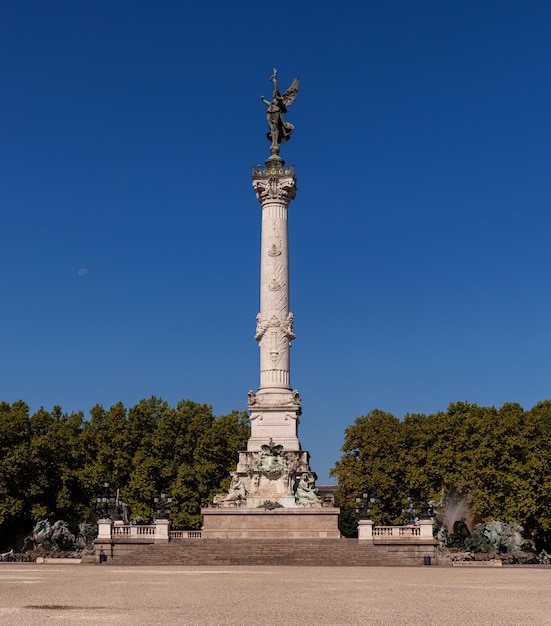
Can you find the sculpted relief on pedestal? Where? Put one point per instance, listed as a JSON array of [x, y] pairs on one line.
[[237, 493]]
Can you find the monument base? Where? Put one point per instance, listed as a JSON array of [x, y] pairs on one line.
[[281, 523]]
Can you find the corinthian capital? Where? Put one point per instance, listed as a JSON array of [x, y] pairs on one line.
[[275, 188]]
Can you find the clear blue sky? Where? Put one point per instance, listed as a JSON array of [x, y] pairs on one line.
[[420, 235]]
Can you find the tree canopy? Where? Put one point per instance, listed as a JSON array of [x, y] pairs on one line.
[[53, 464], [499, 460]]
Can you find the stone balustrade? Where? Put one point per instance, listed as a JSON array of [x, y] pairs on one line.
[[420, 532], [185, 534], [131, 531], [396, 531], [152, 533]]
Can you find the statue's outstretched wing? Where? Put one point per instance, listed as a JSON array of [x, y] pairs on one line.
[[291, 93]]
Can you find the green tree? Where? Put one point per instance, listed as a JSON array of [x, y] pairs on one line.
[[210, 454], [53, 464], [373, 458], [186, 450], [105, 447], [55, 460], [15, 469], [498, 461], [539, 521]]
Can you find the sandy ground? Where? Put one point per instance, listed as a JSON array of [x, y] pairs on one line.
[[94, 594]]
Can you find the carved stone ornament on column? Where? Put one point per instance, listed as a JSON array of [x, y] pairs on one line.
[[274, 250], [261, 327], [283, 189], [280, 336], [289, 329]]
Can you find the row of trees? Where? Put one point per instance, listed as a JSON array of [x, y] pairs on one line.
[[498, 460], [53, 464]]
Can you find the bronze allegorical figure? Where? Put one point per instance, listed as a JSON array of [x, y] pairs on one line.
[[280, 130]]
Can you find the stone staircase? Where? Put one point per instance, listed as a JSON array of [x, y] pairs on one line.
[[315, 552]]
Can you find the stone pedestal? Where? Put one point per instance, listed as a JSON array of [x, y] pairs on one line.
[[274, 414], [426, 528], [104, 530], [271, 478], [281, 523], [273, 495], [162, 531], [365, 530]]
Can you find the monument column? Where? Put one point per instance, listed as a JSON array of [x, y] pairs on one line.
[[275, 188], [275, 408], [272, 492]]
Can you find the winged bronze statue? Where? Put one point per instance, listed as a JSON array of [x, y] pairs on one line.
[[280, 130]]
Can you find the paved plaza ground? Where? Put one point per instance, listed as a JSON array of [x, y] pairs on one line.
[[94, 594]]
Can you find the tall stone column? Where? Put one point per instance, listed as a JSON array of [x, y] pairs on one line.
[[275, 407], [273, 492]]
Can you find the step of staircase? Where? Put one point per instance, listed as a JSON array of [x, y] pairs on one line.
[[314, 552]]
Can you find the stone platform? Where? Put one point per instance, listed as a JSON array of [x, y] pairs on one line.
[[280, 523]]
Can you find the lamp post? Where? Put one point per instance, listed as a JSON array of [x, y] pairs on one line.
[[162, 510], [364, 502], [105, 499]]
